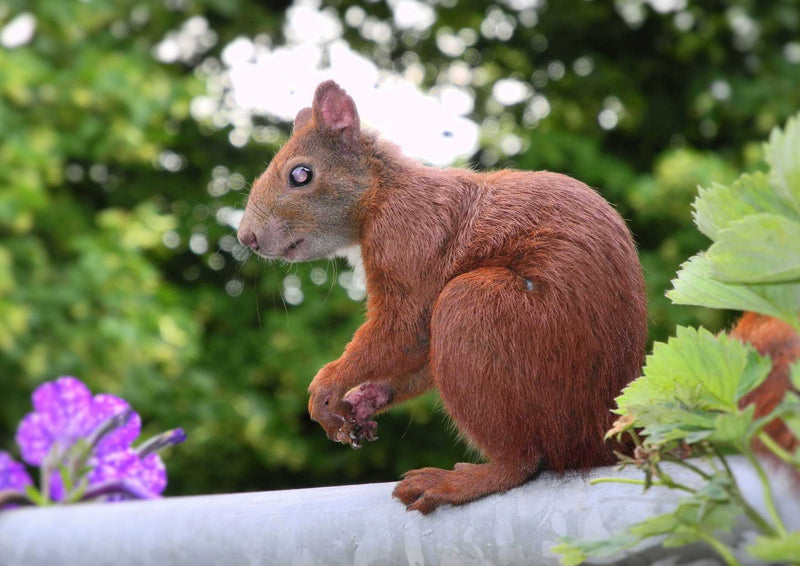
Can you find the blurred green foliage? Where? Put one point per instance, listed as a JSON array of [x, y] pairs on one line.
[[104, 176]]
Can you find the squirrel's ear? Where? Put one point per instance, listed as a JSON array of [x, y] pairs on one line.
[[335, 110], [301, 119]]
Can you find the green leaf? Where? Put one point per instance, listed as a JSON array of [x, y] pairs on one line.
[[571, 553], [574, 552], [708, 518], [733, 429], [717, 207], [654, 526], [35, 495], [77, 493], [695, 285], [781, 550], [697, 369], [686, 536], [754, 373], [782, 153], [66, 479], [794, 374], [690, 521], [762, 248], [717, 489], [789, 411], [666, 422]]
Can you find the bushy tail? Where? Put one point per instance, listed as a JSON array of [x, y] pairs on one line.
[[781, 342]]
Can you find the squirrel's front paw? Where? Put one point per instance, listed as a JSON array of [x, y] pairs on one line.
[[325, 407], [363, 401], [346, 418]]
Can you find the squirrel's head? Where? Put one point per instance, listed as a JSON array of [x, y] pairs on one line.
[[304, 206]]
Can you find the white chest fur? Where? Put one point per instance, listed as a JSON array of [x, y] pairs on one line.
[[353, 257]]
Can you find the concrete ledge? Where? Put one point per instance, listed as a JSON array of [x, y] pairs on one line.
[[353, 525]]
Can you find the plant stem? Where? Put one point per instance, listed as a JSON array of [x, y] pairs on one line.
[[44, 480], [756, 517], [777, 449], [768, 499], [722, 459], [12, 496], [736, 492], [641, 482], [689, 466], [667, 481], [720, 548]]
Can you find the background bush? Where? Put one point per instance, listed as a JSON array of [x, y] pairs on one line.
[[115, 267]]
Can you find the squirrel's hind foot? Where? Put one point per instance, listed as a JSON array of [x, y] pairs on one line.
[[426, 489]]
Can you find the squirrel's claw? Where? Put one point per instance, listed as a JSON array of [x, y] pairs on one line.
[[358, 404], [354, 434]]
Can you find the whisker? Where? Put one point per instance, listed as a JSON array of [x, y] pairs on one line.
[[333, 279], [258, 308]]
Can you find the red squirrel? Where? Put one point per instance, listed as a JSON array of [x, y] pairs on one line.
[[518, 295]]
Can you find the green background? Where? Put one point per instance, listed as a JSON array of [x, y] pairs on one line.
[[205, 341]]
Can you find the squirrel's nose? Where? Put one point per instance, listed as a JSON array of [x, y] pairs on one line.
[[248, 238]]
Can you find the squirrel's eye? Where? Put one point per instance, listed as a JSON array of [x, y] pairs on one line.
[[300, 176]]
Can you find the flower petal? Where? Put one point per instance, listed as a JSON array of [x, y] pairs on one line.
[[103, 407], [148, 473], [56, 487], [153, 473], [34, 438], [13, 475], [64, 407]]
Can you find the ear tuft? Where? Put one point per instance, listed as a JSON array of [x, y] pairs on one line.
[[335, 110], [302, 118]]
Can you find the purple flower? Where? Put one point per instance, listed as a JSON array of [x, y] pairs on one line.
[[64, 411], [121, 471], [12, 474], [161, 441], [148, 473], [13, 478]]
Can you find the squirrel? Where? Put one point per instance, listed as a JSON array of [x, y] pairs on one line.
[[518, 295]]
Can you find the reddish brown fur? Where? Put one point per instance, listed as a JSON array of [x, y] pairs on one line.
[[778, 340], [518, 295]]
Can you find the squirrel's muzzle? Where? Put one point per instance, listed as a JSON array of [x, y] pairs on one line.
[[270, 237]]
